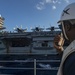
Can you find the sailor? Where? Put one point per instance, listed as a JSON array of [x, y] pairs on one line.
[[67, 21]]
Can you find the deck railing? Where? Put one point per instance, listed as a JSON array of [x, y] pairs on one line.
[[34, 68]]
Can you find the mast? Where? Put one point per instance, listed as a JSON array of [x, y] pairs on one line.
[[1, 22], [5, 41]]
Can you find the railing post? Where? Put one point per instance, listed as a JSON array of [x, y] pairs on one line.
[[34, 66]]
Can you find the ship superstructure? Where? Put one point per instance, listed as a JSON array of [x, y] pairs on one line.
[[28, 53], [28, 42]]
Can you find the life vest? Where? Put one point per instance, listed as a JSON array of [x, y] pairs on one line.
[[70, 49]]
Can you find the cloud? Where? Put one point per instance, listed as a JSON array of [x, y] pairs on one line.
[[48, 1], [41, 5], [67, 1], [52, 1], [54, 7]]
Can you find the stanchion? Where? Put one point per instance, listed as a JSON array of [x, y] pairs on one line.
[[34, 66]]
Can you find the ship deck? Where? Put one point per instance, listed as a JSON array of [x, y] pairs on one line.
[[29, 64]]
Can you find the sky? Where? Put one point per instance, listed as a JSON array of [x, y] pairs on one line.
[[32, 13]]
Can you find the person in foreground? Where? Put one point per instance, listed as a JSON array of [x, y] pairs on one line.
[[67, 21]]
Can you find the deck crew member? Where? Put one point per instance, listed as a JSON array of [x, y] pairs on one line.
[[67, 21]]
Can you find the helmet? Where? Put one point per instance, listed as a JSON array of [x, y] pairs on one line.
[[68, 13]]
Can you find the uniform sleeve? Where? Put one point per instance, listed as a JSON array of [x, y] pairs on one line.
[[69, 65]]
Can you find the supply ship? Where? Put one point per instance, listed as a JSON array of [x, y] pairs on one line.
[[28, 53]]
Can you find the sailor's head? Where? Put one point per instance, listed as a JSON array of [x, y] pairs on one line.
[[67, 22]]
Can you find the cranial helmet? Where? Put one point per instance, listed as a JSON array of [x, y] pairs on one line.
[[68, 13]]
